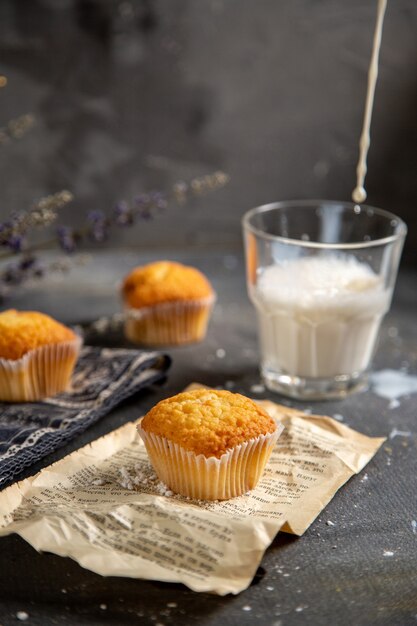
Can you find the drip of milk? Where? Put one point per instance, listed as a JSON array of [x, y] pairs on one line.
[[319, 316], [359, 193]]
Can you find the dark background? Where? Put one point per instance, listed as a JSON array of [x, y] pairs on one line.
[[134, 95]]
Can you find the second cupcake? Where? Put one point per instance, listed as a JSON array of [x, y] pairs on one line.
[[166, 303]]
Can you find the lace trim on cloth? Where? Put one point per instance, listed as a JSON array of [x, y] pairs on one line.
[[102, 379]]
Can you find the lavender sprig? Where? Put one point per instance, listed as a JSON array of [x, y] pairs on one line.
[[144, 206], [42, 214], [15, 231]]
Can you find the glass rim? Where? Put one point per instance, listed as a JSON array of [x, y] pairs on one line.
[[263, 208]]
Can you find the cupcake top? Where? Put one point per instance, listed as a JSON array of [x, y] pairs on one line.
[[208, 422], [164, 281], [22, 331]]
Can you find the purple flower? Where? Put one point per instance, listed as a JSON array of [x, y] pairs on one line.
[[66, 238], [143, 205], [14, 242], [99, 224], [123, 215], [158, 200], [95, 216], [142, 200], [28, 262]]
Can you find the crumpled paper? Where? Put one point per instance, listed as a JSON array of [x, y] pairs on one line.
[[103, 506]]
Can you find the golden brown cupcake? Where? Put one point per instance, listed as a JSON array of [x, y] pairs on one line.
[[166, 303], [37, 356], [209, 445]]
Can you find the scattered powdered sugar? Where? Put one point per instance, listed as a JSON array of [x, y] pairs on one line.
[[126, 479], [163, 490], [144, 477], [399, 433], [103, 607], [220, 353], [364, 478], [414, 526], [394, 404], [172, 605], [257, 388], [330, 523], [388, 553], [246, 608], [338, 417], [98, 482], [22, 616]]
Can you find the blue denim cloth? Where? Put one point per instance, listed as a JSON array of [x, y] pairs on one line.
[[103, 378]]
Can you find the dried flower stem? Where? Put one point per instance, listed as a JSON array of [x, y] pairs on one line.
[[16, 128], [28, 266]]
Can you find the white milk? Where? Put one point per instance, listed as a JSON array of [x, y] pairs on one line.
[[319, 317]]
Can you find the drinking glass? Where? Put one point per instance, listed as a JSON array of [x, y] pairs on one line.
[[321, 276]]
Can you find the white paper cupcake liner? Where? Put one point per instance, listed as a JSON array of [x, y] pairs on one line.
[[196, 476], [169, 323], [40, 373]]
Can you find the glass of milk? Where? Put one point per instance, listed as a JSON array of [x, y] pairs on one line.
[[321, 276]]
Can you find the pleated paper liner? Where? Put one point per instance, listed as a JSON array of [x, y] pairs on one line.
[[196, 476], [169, 323], [40, 373]]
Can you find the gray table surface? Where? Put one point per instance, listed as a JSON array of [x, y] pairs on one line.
[[334, 574]]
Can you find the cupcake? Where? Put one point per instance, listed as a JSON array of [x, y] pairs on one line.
[[166, 303], [37, 356], [209, 445]]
